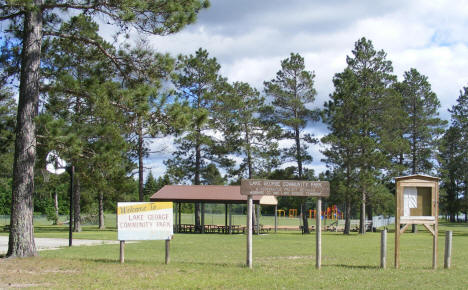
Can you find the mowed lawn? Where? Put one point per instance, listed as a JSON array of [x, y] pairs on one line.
[[282, 260]]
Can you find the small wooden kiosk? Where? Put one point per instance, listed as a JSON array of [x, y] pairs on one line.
[[417, 203]]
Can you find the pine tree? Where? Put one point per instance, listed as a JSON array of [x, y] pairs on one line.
[[459, 114], [355, 117], [424, 126], [36, 20], [244, 119], [292, 91], [451, 168], [149, 112], [151, 185], [198, 83]]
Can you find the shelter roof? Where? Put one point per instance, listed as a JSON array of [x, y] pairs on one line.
[[208, 194]]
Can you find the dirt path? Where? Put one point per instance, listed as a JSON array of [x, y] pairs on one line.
[[52, 244]]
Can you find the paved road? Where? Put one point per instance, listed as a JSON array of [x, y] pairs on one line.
[[52, 244]]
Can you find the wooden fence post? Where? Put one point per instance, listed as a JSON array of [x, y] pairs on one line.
[[448, 249], [122, 246], [318, 235], [249, 231], [168, 248], [383, 249]]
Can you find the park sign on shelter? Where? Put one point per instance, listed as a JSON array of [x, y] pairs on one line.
[[144, 221], [285, 187]]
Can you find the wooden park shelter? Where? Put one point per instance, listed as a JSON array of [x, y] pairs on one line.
[[204, 194], [417, 203]]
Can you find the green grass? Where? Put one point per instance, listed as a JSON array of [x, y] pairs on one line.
[[283, 260]]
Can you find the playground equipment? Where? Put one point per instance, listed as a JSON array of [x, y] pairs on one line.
[[330, 213], [281, 213], [293, 212]]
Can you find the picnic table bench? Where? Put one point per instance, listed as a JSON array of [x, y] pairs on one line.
[[339, 225]]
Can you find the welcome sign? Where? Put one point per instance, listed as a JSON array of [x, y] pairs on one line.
[[144, 221]]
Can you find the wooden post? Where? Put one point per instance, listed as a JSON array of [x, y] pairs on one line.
[[168, 248], [176, 215], [202, 230], [122, 246], [226, 218], [434, 246], [180, 215], [249, 231], [258, 219], [276, 217], [448, 249], [397, 227], [383, 249], [318, 235], [230, 218]]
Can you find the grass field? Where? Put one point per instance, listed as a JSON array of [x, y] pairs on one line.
[[283, 260]]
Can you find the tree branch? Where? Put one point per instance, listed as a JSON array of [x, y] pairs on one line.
[[5, 17], [113, 58]]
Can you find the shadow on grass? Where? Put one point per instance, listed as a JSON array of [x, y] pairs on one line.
[[100, 260], [351, 266], [51, 229]]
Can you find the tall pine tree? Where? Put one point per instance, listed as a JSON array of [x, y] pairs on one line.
[[355, 117], [36, 20], [198, 82], [293, 92]]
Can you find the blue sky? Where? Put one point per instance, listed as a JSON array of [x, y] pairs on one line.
[[249, 38]]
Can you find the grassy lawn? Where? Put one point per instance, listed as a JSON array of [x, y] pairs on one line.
[[283, 260]]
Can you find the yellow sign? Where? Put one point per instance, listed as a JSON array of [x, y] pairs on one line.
[[143, 207]]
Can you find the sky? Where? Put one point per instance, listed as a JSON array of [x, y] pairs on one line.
[[250, 38]]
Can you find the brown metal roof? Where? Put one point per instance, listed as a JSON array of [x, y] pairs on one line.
[[202, 193]]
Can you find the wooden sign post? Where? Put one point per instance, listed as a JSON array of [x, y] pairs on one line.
[[417, 203], [138, 221], [318, 189]]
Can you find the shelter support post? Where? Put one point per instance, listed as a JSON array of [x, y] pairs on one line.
[[230, 218], [276, 218], [202, 230], [226, 217], [176, 215], [258, 219], [318, 235], [180, 215], [249, 231]]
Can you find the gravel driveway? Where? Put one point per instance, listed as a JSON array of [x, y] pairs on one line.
[[52, 244]]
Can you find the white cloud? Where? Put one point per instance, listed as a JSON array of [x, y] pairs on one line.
[[249, 38]]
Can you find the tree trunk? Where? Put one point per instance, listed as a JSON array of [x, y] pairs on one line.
[[370, 216], [197, 181], [298, 153], [140, 162], [305, 221], [76, 205], [21, 238], [249, 153], [101, 211], [347, 227], [362, 220]]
